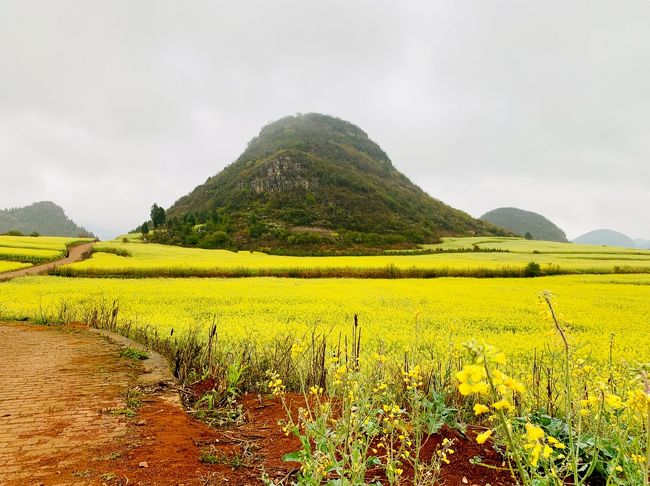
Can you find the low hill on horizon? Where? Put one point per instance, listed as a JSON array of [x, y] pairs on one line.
[[642, 243], [522, 222], [313, 181], [44, 218], [606, 237]]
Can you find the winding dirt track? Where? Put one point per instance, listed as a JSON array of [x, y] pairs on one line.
[[76, 254]]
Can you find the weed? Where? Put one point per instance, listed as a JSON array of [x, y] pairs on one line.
[[210, 457], [134, 353], [133, 398], [123, 412]]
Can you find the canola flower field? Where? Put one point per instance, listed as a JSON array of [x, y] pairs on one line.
[[558, 410], [9, 266], [33, 249], [394, 314], [521, 245], [135, 259]]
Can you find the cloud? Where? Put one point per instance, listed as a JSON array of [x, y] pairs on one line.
[[106, 107]]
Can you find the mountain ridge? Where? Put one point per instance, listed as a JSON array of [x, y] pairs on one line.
[[525, 222], [43, 217], [606, 237], [313, 180]]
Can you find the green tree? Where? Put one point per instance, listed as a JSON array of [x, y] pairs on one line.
[[158, 216], [145, 228], [528, 236]]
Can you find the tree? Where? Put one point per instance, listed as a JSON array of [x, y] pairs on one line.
[[190, 219], [158, 216], [528, 236], [145, 228]]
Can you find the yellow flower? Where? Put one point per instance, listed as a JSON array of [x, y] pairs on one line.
[[499, 358], [514, 385], [555, 443], [638, 401], [614, 401], [296, 350], [534, 433], [480, 409], [534, 455], [483, 436], [502, 405]]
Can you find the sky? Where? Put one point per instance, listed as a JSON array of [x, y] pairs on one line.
[[108, 107]]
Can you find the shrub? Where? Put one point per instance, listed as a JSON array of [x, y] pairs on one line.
[[533, 270]]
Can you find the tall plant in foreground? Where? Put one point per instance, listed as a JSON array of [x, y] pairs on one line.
[[368, 429], [599, 433]]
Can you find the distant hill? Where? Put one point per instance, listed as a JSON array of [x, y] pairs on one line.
[[312, 181], [522, 222], [641, 243], [605, 237], [45, 218]]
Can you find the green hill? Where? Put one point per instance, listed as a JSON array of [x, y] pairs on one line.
[[45, 218], [522, 222], [606, 237], [641, 243], [312, 181]]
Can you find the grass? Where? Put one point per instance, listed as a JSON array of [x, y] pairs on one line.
[[135, 354]]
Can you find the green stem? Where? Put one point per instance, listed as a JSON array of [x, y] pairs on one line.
[[647, 451], [568, 394], [504, 423]]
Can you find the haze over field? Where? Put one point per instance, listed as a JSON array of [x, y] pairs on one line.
[[106, 107]]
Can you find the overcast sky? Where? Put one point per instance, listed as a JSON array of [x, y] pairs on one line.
[[109, 106]]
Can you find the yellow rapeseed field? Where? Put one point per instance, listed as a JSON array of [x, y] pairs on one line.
[[394, 314], [159, 260], [8, 266], [41, 242], [31, 249]]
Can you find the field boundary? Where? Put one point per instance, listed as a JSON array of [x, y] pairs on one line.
[[387, 272]]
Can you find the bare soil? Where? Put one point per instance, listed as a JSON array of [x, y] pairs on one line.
[[171, 443]]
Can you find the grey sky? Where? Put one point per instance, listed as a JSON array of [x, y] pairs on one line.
[[106, 107]]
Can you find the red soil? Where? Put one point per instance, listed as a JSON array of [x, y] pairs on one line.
[[171, 443]]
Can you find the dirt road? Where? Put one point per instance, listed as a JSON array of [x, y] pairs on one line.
[[77, 253], [56, 394]]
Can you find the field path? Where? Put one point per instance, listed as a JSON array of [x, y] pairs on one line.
[[65, 418], [76, 254], [56, 393]]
